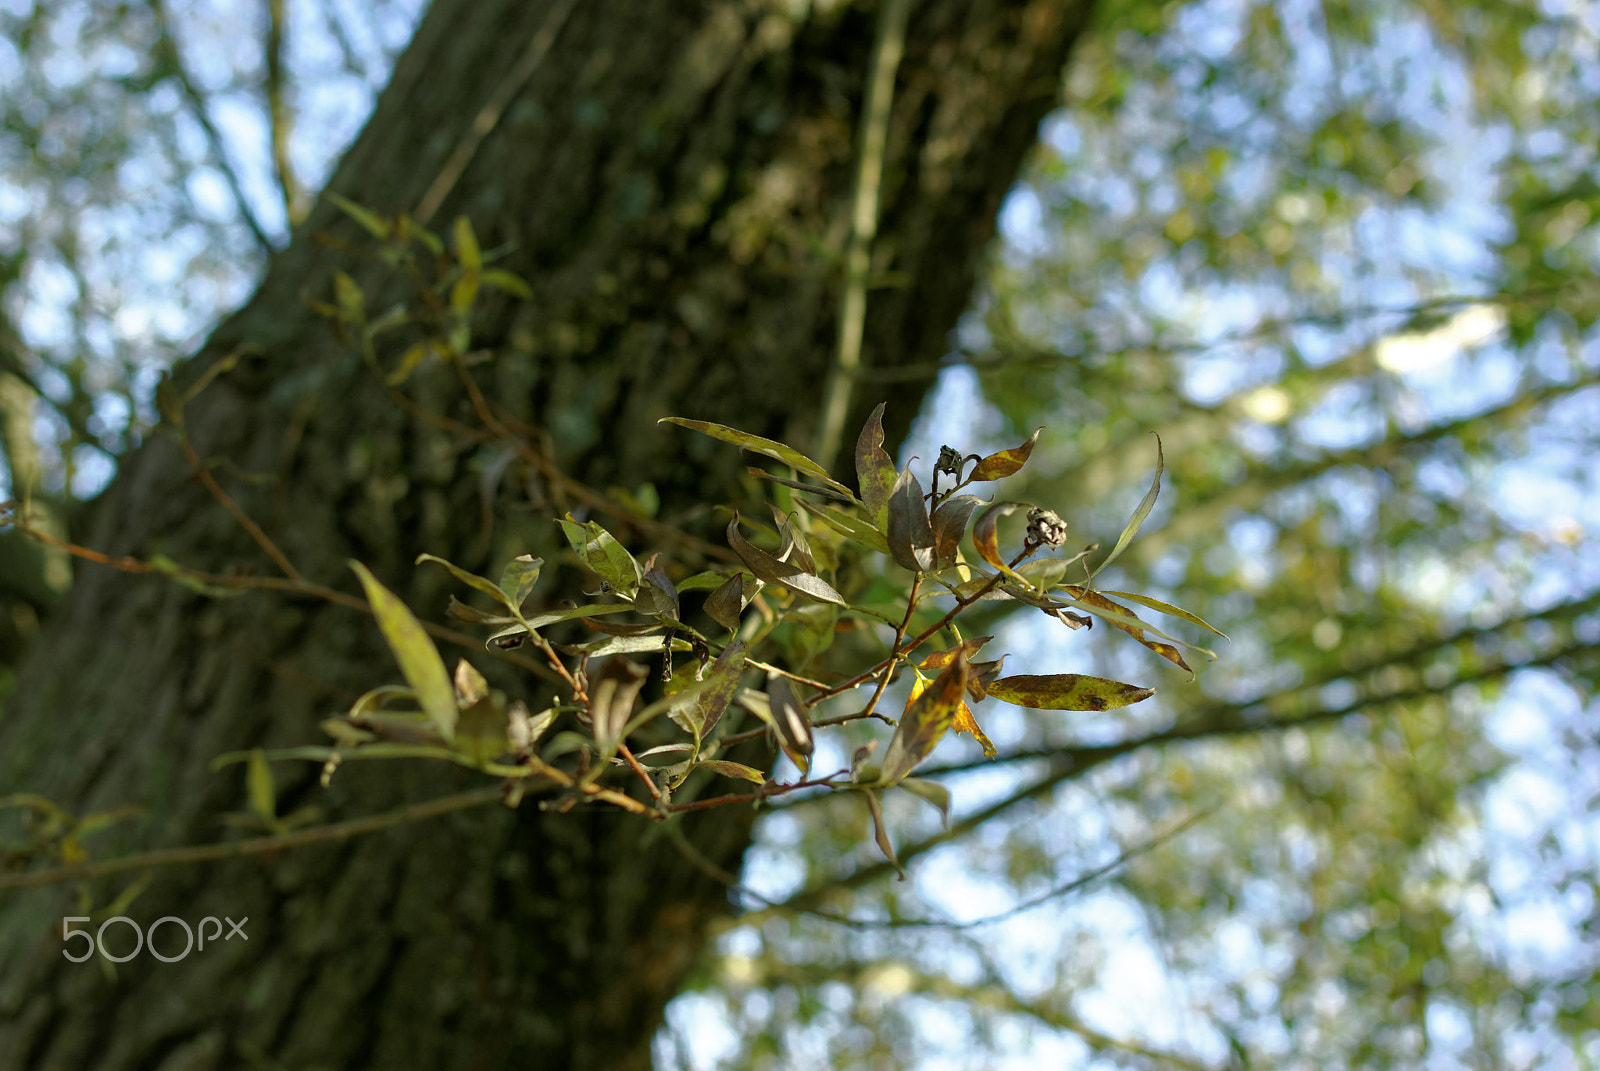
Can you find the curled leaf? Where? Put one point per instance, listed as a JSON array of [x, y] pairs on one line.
[[910, 533], [1170, 610], [727, 603], [1002, 464], [791, 722], [418, 658], [985, 538], [470, 685], [611, 701], [1067, 691], [933, 792]]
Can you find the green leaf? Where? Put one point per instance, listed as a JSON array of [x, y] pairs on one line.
[[612, 645], [481, 732], [733, 769], [847, 525], [513, 284], [520, 575], [369, 221], [258, 783], [1000, 465], [1145, 506], [466, 242], [881, 835], [601, 552], [1067, 691], [931, 791], [1168, 609], [925, 721], [700, 714], [352, 302], [911, 542], [481, 583], [756, 444], [875, 470], [410, 361], [768, 568], [419, 660]]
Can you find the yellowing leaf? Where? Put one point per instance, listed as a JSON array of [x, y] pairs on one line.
[[1067, 691], [419, 660], [1000, 465], [733, 769], [875, 470], [925, 721], [467, 245], [911, 542]]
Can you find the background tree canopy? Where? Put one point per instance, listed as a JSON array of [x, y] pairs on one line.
[[1340, 257]]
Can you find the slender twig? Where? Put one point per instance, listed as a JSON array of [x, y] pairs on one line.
[[872, 136], [644, 775], [261, 583], [489, 115], [894, 648], [167, 46], [263, 540], [280, 119], [206, 853]]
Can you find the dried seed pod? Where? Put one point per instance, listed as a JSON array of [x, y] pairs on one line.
[[1046, 527]]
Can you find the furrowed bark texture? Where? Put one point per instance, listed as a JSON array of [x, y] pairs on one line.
[[674, 182]]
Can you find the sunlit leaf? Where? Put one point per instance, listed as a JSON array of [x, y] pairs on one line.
[[1121, 617], [768, 568], [848, 525], [601, 552], [1168, 609], [756, 444], [1000, 465], [985, 538], [409, 362], [469, 683], [1067, 691], [733, 769], [519, 577], [1145, 506], [925, 721], [419, 660]]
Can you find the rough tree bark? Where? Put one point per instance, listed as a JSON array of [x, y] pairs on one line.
[[673, 180]]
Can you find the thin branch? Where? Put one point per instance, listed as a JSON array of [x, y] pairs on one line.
[[206, 853], [167, 48], [279, 116], [873, 135], [489, 115]]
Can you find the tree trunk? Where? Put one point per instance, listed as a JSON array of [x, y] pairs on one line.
[[674, 181]]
